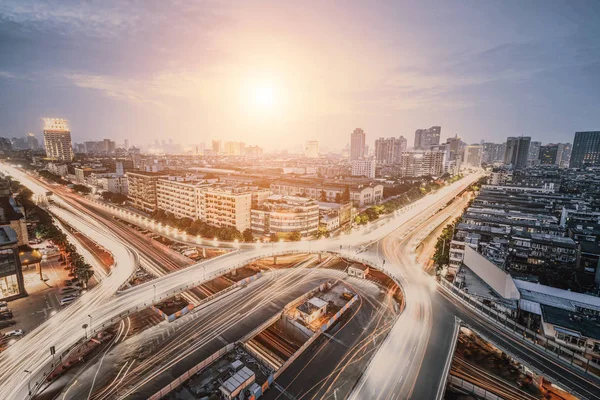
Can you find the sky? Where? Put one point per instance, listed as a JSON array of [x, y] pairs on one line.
[[276, 73]]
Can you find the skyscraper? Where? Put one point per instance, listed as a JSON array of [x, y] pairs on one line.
[[311, 149], [425, 138], [493, 152], [357, 144], [57, 139], [32, 141], [517, 151], [586, 150], [473, 155], [389, 150], [533, 157]]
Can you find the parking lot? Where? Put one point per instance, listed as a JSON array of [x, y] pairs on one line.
[[43, 296]]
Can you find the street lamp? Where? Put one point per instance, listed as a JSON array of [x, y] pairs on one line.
[[154, 298], [85, 326], [90, 315]]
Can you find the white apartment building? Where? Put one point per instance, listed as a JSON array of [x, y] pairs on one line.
[[286, 214], [113, 183], [179, 197], [142, 189], [57, 169], [364, 168], [57, 139], [230, 206], [415, 163]]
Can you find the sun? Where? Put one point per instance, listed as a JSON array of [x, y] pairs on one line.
[[264, 97]]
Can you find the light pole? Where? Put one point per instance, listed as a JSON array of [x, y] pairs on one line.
[[28, 381], [85, 326], [90, 315], [154, 297]]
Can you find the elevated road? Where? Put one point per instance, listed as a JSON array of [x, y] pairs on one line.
[[406, 366]]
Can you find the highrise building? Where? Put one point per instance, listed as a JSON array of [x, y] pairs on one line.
[[415, 163], [549, 154], [389, 150], [32, 141], [357, 144], [235, 148], [565, 155], [425, 138], [586, 150], [517, 151], [493, 152], [57, 139], [216, 146], [311, 150], [126, 144], [533, 157], [109, 146], [473, 155]]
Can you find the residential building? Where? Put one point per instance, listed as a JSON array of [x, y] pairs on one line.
[[230, 206], [286, 214], [533, 157], [549, 154], [216, 146], [389, 150], [311, 150], [586, 150], [57, 139], [425, 138], [254, 151], [357, 144], [179, 196], [113, 183], [57, 168], [235, 148], [493, 153], [142, 189], [360, 195], [473, 155], [32, 142], [82, 173], [364, 168], [415, 163], [517, 151]]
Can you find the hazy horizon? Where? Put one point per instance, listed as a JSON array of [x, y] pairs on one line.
[[277, 74]]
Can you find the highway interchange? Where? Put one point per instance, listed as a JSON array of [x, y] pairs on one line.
[[409, 364]]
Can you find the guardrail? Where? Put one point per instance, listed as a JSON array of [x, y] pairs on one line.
[[191, 372], [441, 389], [541, 342], [473, 389]]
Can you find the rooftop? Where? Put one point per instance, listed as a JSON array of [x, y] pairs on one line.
[[585, 325], [556, 297]]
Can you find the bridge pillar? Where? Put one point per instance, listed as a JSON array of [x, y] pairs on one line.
[[204, 252], [320, 257], [274, 260]]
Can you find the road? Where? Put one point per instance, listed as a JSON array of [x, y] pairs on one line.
[[395, 371]]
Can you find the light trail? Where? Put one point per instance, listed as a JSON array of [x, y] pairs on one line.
[[31, 352]]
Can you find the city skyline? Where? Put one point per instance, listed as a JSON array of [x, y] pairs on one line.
[[243, 82]]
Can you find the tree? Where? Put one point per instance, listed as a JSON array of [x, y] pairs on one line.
[[273, 237], [338, 198], [82, 189], [346, 195], [248, 236], [322, 232], [323, 195], [295, 236]]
